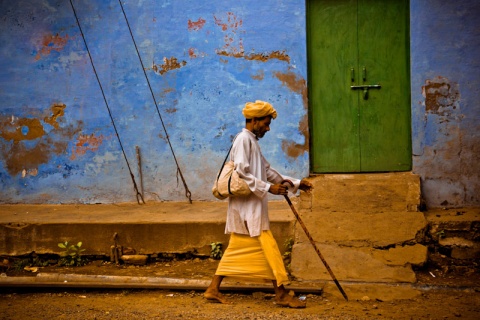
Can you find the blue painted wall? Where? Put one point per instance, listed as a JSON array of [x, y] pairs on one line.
[[204, 60], [445, 64]]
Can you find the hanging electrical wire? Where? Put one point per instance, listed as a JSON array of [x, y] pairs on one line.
[[138, 194], [188, 194]]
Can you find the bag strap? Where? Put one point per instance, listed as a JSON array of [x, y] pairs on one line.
[[228, 153]]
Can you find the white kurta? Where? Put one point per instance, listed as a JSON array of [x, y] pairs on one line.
[[249, 215]]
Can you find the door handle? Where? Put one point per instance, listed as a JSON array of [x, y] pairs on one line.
[[366, 86], [365, 89]]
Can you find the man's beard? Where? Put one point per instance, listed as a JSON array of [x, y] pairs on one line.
[[258, 134]]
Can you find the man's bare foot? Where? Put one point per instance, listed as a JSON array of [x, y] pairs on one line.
[[216, 296], [287, 300]]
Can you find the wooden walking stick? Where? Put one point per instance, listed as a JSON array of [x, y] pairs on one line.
[[313, 242]]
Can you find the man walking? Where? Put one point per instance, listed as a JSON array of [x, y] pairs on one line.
[[252, 252]]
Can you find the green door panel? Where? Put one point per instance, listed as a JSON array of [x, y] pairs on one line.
[[383, 50], [334, 110], [359, 42]]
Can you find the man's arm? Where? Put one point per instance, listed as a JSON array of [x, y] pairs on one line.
[[282, 189], [241, 156]]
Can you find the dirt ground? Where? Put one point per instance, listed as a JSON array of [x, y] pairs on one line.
[[448, 295]]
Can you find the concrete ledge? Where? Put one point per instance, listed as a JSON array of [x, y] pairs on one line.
[[151, 228]]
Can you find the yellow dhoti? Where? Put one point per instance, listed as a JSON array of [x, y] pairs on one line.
[[253, 258]]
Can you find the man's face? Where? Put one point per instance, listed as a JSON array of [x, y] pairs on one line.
[[260, 127]]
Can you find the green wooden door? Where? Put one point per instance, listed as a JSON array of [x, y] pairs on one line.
[[353, 44]]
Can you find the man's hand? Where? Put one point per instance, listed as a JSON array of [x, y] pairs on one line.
[[282, 189], [305, 185], [278, 189]]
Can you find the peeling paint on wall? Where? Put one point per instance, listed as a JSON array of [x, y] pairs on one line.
[[191, 53], [294, 150], [30, 172], [298, 85], [86, 142], [450, 158], [194, 53], [295, 83], [50, 43], [19, 129], [233, 43], [262, 57], [234, 47], [259, 76], [441, 96], [26, 144], [171, 110], [57, 111], [196, 25], [168, 65], [230, 24]]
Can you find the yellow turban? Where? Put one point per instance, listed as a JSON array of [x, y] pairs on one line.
[[258, 109]]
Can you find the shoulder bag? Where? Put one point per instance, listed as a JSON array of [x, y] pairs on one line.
[[228, 183]]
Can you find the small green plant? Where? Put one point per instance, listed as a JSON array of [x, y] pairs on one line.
[[19, 265], [216, 251], [441, 234], [287, 255], [29, 261], [37, 262], [288, 245], [72, 256]]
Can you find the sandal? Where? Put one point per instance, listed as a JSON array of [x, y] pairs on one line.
[[292, 303]]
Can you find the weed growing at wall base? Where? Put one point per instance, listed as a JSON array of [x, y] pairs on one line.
[[216, 251], [287, 255], [72, 256]]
